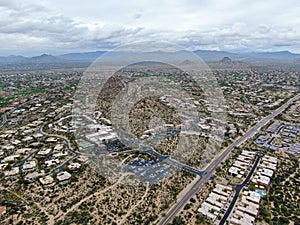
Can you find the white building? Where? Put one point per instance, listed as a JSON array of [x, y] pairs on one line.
[[63, 176], [74, 166], [29, 166], [14, 171], [47, 180]]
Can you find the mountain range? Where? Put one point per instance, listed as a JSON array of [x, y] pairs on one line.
[[206, 55]]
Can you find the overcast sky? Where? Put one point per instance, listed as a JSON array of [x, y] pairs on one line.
[[34, 27]]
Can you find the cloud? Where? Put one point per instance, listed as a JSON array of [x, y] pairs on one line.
[[231, 25], [137, 16]]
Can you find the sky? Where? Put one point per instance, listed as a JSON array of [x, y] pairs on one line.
[[34, 27]]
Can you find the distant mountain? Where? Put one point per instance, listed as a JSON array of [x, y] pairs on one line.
[[42, 59], [282, 55], [186, 62], [83, 56], [226, 60], [209, 55], [13, 59], [45, 59], [180, 56]]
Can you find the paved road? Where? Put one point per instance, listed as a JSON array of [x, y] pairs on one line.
[[66, 141], [182, 166], [214, 164], [173, 162], [68, 146], [238, 189], [60, 167], [4, 120], [24, 160], [4, 116]]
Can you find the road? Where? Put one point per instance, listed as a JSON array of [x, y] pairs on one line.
[[238, 189], [66, 141], [4, 120], [173, 162], [182, 166], [68, 146], [208, 173], [4, 116]]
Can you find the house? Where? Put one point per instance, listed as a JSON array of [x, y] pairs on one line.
[[11, 158], [32, 176], [83, 159], [248, 154], [8, 147], [270, 159], [60, 154], [51, 162], [74, 166], [241, 218], [27, 139], [51, 139], [44, 152], [268, 165], [47, 181], [2, 210], [234, 171], [252, 196], [207, 209], [22, 151], [63, 176], [28, 166], [16, 142], [11, 173], [58, 147], [263, 180], [267, 172], [37, 135]]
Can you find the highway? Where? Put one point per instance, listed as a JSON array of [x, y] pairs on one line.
[[215, 163]]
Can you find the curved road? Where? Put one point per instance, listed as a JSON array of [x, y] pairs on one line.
[[68, 145], [201, 181]]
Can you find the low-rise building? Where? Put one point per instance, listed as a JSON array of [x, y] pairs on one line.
[[60, 154], [28, 166], [11, 158], [252, 196], [11, 173], [263, 180], [34, 175], [63, 176], [267, 172], [44, 152], [51, 162], [234, 171], [74, 166], [47, 181], [22, 151]]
